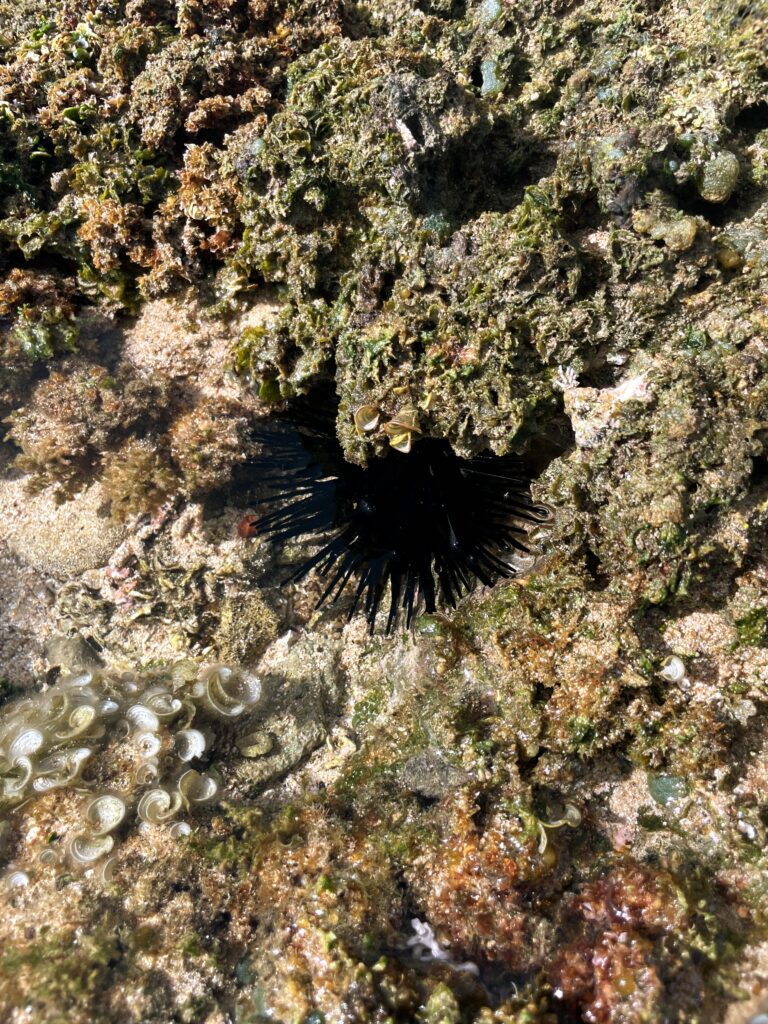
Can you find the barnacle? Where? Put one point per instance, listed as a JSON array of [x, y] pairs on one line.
[[421, 524]]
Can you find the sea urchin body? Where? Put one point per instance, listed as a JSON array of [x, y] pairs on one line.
[[411, 530]]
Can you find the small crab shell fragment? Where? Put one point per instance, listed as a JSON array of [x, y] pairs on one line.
[[87, 849], [196, 788], [190, 743], [105, 813]]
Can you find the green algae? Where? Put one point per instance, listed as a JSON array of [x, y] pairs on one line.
[[542, 230], [70, 978]]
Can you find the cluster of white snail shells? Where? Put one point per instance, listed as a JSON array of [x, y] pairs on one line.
[[47, 740]]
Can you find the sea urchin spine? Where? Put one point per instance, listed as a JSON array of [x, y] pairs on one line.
[[422, 526]]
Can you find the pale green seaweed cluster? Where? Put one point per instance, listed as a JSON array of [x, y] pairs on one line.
[[164, 725]]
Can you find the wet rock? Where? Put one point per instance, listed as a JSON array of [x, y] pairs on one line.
[[430, 775], [719, 177], [73, 654]]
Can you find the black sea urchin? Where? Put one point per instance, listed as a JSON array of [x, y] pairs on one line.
[[421, 527]]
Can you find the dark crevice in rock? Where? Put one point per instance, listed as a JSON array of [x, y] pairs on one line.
[[752, 119]]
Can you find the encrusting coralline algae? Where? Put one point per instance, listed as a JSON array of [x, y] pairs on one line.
[[529, 229]]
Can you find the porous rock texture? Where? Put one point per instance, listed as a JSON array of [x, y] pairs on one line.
[[539, 228]]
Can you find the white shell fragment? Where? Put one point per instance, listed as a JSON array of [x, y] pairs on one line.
[[230, 692], [367, 418], [14, 786], [87, 849], [80, 720], [142, 718], [158, 805], [106, 870], [105, 813], [60, 769], [148, 743], [162, 703], [196, 788], [142, 724], [17, 879], [147, 772], [190, 743], [673, 670], [27, 742]]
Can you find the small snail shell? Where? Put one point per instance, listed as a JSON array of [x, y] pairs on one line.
[[157, 805], [27, 742], [190, 743], [17, 879], [142, 718], [87, 849], [673, 670], [105, 813], [196, 788], [366, 418]]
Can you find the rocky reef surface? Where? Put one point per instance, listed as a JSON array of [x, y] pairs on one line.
[[536, 229]]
